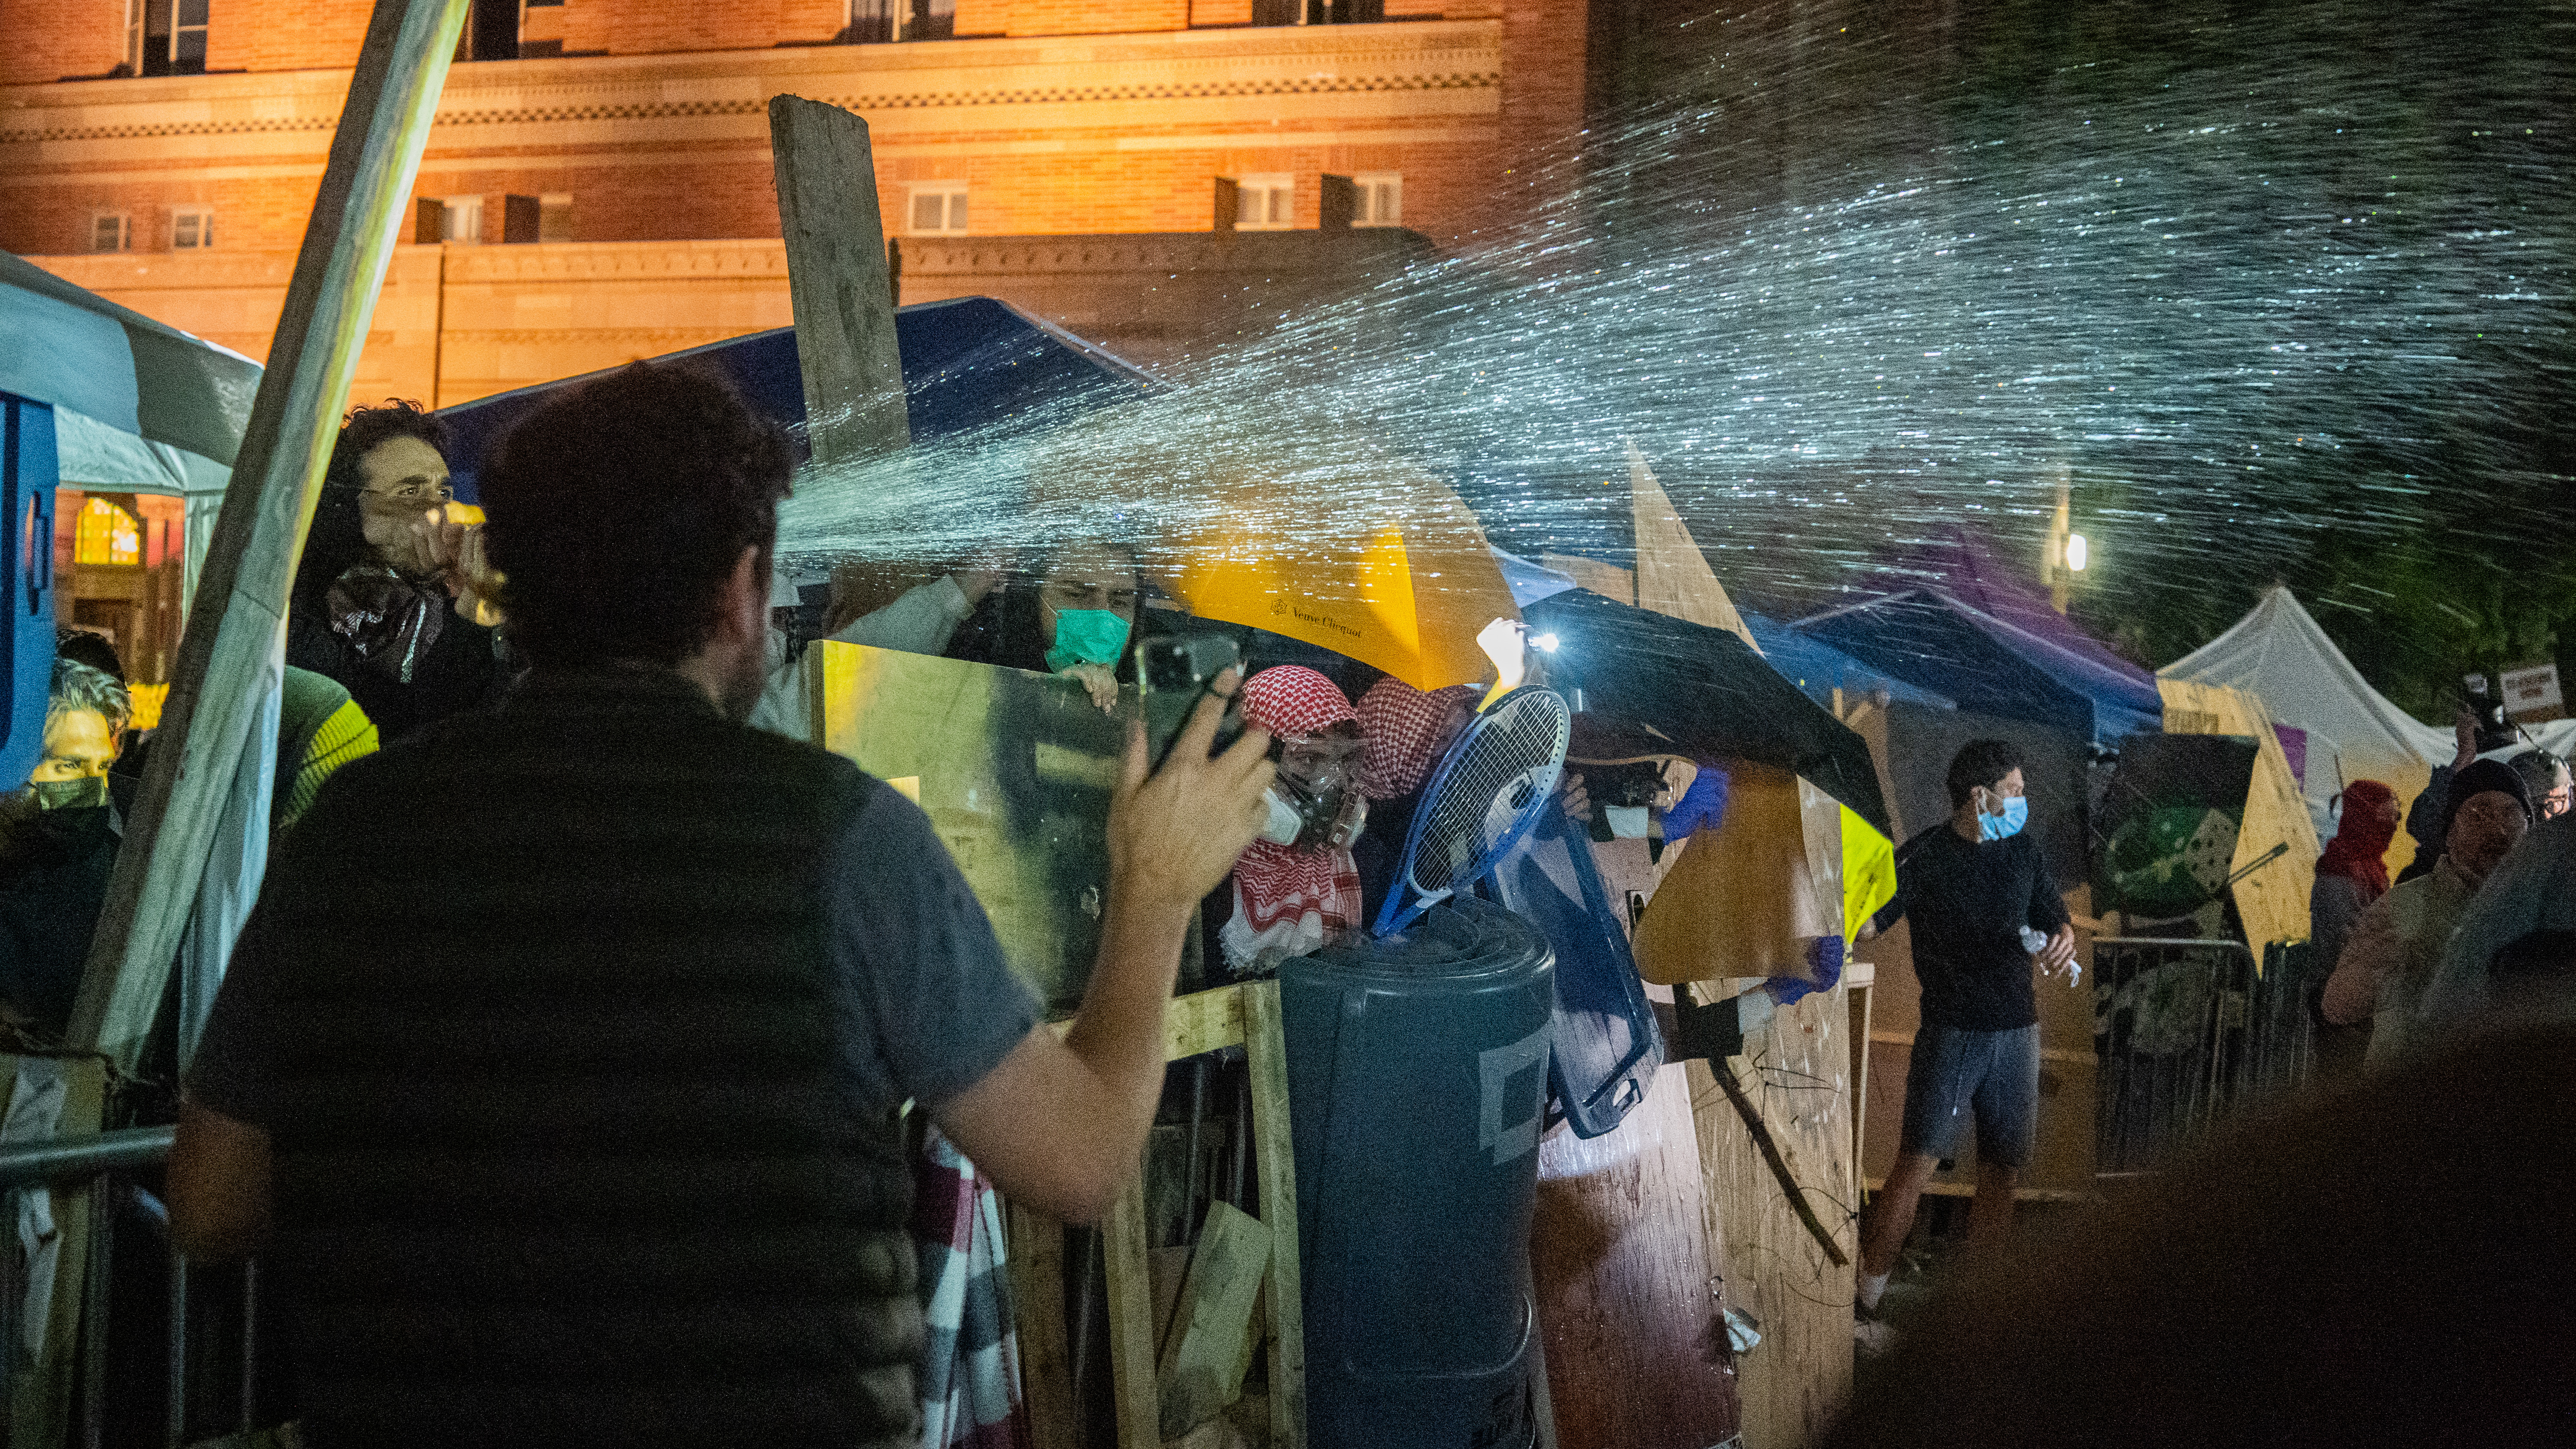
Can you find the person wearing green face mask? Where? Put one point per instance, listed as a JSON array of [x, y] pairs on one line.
[[58, 843], [1075, 618]]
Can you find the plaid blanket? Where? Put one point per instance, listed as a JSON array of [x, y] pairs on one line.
[[970, 1367]]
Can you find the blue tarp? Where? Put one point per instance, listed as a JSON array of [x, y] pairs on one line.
[[1928, 639], [970, 363], [1818, 669]]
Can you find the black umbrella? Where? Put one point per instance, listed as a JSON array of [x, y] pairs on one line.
[[1701, 692]]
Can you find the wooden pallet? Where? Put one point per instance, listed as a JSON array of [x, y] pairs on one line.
[[1205, 1021]]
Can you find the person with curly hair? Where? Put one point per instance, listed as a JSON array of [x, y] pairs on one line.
[[380, 603]]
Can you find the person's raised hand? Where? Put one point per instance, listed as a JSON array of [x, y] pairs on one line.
[[1174, 833], [982, 576], [1101, 682]]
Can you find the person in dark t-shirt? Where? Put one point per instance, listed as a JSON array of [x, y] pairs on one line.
[[556, 1075], [1983, 912]]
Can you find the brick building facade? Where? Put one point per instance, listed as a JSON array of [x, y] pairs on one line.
[[606, 193]]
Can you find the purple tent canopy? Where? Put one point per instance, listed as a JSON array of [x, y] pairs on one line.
[[1962, 562]]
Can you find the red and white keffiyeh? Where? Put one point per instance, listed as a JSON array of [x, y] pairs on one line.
[[1404, 730], [1287, 902]]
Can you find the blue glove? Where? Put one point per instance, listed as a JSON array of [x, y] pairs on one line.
[[1702, 806], [1825, 959]]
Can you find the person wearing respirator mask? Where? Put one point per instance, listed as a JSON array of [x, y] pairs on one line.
[[1075, 619], [58, 844], [1297, 887], [1984, 913]]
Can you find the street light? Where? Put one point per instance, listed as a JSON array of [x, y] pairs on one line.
[[2078, 553]]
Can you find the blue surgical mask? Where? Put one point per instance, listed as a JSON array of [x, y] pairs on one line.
[[2016, 814], [1086, 636]]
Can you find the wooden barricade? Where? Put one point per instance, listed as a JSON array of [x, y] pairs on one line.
[[1140, 1369]]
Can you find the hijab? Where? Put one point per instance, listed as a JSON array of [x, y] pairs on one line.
[[2360, 842]]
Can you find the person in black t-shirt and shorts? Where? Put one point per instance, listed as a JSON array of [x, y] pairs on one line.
[[1984, 913]]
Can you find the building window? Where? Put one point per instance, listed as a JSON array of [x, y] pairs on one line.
[[1318, 12], [554, 217], [192, 228], [1264, 203], [939, 209], [873, 22], [109, 231], [462, 222], [106, 534], [1380, 199], [165, 37]]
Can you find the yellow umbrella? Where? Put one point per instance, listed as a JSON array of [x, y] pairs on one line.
[[1394, 572]]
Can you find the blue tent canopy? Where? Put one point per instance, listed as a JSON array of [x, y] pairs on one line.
[[969, 364], [1819, 669], [1933, 641]]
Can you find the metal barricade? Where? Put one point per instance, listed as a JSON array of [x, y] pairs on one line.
[[2188, 1031], [108, 1163]]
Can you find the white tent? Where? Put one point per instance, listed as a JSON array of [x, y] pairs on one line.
[[141, 407], [2354, 733]]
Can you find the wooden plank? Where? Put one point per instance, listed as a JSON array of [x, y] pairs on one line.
[[836, 281], [1131, 1321], [1210, 1346], [1203, 1021], [1941, 1188], [233, 647], [1619, 1259], [1046, 1360], [1860, 984], [1266, 1046]]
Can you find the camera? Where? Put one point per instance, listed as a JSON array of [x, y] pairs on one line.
[[2494, 730]]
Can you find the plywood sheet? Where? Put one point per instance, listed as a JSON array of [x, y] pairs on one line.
[[1673, 576], [1620, 1256], [1798, 1075], [2271, 900]]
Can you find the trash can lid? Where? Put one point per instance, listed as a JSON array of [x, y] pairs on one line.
[[1456, 938]]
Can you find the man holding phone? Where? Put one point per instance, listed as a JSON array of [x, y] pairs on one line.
[[556, 1075]]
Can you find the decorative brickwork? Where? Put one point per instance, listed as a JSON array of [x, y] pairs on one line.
[[1094, 120]]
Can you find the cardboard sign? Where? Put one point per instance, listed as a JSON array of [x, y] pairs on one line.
[[2531, 694]]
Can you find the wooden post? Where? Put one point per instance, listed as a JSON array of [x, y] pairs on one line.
[[236, 632], [1266, 1046], [836, 278], [1046, 1361], [1131, 1321]]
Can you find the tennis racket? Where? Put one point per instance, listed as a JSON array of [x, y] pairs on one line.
[[1481, 800]]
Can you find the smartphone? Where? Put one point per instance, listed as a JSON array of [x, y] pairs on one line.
[[1173, 672]]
